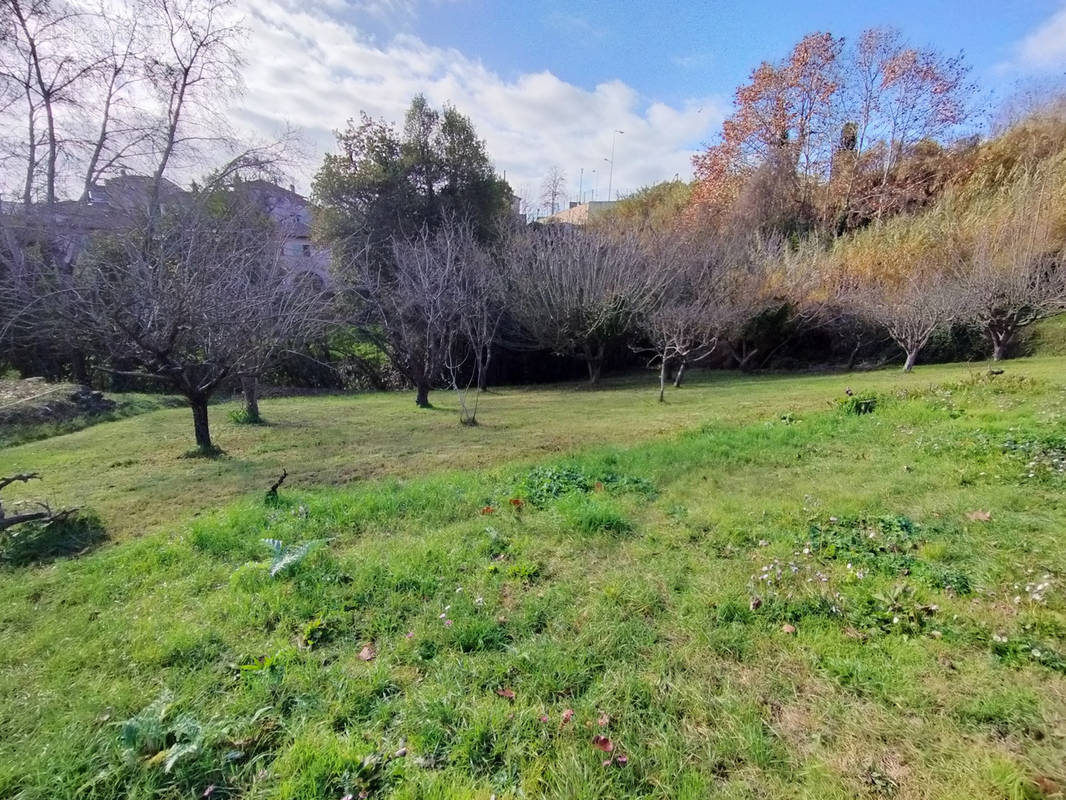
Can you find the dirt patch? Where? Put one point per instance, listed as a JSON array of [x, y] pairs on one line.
[[33, 401]]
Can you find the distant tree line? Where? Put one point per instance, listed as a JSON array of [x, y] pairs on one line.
[[833, 220]]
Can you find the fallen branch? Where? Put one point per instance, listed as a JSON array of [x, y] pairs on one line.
[[18, 519], [23, 477], [272, 492], [45, 513]]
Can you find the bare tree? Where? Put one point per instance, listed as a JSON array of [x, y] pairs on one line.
[[911, 308], [41, 57], [192, 70], [683, 327], [102, 88], [756, 280], [205, 297], [117, 131], [406, 301], [1015, 273], [553, 190], [480, 304], [577, 292]]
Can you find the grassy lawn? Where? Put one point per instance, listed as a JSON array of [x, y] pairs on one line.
[[131, 472], [33, 410], [747, 592]]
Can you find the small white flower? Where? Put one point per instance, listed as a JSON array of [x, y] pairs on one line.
[[479, 601]]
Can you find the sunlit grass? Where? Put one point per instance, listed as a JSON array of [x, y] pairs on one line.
[[131, 473], [444, 641]]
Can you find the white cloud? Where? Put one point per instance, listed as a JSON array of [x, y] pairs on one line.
[[699, 60], [1044, 49], [309, 68], [574, 25]]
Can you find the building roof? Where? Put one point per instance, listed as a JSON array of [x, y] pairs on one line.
[[578, 213], [131, 192]]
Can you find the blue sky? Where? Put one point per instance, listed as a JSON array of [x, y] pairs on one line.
[[674, 50], [548, 82]]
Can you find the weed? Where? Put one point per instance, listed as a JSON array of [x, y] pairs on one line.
[[160, 737], [897, 610], [288, 557], [1041, 458], [241, 416], [543, 485], [858, 404], [888, 545], [525, 570]]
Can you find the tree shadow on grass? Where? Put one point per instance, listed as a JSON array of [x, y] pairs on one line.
[[212, 452]]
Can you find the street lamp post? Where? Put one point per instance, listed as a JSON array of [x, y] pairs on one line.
[[610, 180]]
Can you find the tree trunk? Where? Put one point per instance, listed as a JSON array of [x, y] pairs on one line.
[[1001, 340], [31, 157], [854, 354], [662, 380], [422, 396], [198, 403], [250, 387], [483, 370], [594, 362], [78, 367], [595, 367], [680, 373], [912, 356]]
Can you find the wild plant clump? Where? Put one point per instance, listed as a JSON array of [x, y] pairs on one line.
[[1044, 457], [858, 404], [542, 485], [886, 545]]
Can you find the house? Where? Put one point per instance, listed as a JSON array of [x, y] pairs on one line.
[[131, 194], [292, 214], [110, 205]]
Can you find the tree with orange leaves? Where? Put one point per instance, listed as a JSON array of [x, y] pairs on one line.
[[819, 138], [780, 131]]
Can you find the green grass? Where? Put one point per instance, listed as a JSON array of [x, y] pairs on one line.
[[1048, 337], [750, 592], [128, 404], [131, 473]]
